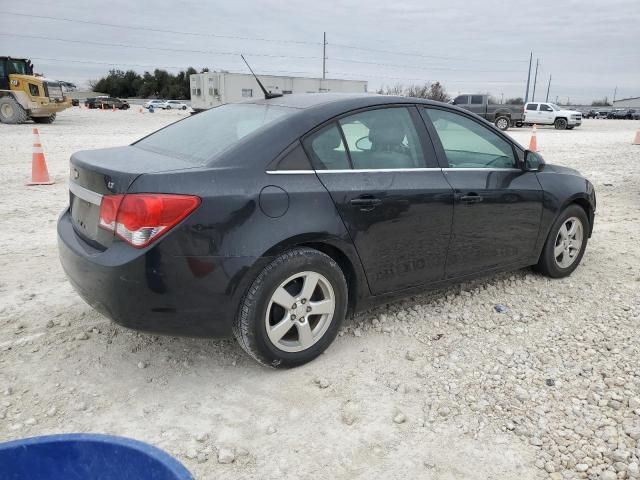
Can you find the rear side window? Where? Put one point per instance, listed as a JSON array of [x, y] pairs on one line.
[[476, 99], [467, 144], [326, 149], [199, 138], [532, 106], [385, 138]]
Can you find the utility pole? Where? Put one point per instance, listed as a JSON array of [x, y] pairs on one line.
[[526, 95], [548, 87], [614, 96], [535, 80], [501, 98], [324, 55]]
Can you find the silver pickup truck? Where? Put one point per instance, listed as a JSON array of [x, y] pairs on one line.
[[502, 116]]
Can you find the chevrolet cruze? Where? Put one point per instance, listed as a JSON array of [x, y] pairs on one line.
[[272, 220]]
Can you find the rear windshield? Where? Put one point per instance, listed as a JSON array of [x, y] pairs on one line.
[[201, 137]]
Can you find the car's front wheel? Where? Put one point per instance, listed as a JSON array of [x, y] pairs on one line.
[[560, 124], [293, 310], [502, 123], [565, 244]]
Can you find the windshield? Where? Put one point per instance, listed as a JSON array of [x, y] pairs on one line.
[[199, 138], [554, 106], [17, 66]]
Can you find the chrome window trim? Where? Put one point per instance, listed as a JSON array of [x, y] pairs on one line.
[[389, 170], [85, 194]]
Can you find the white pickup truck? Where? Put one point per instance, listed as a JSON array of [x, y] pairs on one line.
[[542, 113]]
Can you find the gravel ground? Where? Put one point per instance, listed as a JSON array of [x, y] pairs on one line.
[[439, 386]]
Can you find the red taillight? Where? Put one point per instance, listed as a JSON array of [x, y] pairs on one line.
[[141, 218]]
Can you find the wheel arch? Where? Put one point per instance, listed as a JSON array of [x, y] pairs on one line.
[[585, 204], [342, 252]]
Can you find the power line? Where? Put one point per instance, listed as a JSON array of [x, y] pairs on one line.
[[413, 54], [123, 45], [419, 67], [156, 30]]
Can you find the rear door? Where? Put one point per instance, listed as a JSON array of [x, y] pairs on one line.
[[477, 106], [531, 113], [381, 171], [498, 206]]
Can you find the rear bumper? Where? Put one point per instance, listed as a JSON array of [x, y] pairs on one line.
[[153, 289]]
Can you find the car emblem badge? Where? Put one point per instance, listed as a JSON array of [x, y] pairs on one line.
[[110, 185]]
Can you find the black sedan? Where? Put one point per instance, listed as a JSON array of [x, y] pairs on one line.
[[274, 219]]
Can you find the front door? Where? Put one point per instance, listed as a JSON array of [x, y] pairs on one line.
[[381, 171], [498, 206], [546, 114]]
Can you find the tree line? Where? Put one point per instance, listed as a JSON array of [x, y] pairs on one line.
[[159, 84]]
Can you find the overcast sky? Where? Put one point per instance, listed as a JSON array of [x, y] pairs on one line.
[[588, 46]]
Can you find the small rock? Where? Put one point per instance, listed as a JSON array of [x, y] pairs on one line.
[[620, 455], [556, 476], [81, 406], [633, 470], [142, 365], [323, 383], [399, 418], [535, 441], [582, 467], [82, 336], [241, 452], [49, 324], [608, 475], [410, 356], [500, 308], [271, 430], [191, 453], [202, 457], [550, 382], [202, 437], [30, 421], [226, 455], [52, 411], [634, 403], [549, 467], [357, 332]]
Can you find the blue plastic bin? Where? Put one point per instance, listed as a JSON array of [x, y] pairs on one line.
[[79, 456]]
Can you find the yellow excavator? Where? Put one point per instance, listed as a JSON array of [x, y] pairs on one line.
[[25, 96]]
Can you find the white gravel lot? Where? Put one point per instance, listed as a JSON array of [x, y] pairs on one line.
[[439, 386]]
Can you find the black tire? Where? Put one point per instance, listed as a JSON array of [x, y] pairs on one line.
[[250, 325], [50, 119], [11, 111], [502, 123], [570, 127], [184, 107], [168, 107], [560, 123], [547, 264]]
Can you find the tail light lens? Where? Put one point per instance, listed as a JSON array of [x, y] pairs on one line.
[[141, 218]]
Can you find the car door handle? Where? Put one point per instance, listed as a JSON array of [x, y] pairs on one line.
[[470, 198], [365, 202]]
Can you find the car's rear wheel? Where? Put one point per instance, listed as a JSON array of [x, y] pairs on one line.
[[560, 124], [565, 244], [502, 123], [184, 107], [293, 309]]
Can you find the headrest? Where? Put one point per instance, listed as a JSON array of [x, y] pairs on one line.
[[383, 134]]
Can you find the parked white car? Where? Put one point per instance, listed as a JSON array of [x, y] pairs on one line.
[[542, 113], [175, 104], [156, 104]]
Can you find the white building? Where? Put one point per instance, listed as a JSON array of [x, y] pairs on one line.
[[215, 88], [633, 102]]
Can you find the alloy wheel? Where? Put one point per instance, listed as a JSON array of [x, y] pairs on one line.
[[300, 311], [568, 242]]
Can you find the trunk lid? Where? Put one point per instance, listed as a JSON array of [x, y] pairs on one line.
[[108, 171]]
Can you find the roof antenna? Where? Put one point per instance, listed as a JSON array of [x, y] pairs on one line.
[[267, 94]]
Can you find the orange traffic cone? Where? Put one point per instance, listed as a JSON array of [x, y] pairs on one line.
[[141, 110], [39, 172], [533, 143], [636, 141]]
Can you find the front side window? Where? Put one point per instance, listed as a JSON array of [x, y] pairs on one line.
[[326, 149], [545, 108], [198, 139], [382, 138], [468, 144], [476, 99], [461, 100], [532, 106]]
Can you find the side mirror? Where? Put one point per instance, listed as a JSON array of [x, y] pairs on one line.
[[532, 161]]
